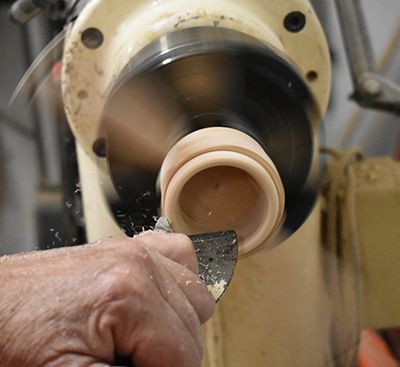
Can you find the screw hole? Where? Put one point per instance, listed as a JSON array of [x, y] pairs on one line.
[[92, 38], [294, 22], [312, 76], [99, 147], [82, 94]]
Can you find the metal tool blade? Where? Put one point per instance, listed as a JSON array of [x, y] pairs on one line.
[[217, 255]]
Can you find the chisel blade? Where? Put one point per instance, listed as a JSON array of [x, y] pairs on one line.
[[217, 255]]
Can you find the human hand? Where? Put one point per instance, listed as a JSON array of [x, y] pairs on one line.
[[82, 306]]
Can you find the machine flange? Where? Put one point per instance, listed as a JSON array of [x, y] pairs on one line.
[[202, 77]]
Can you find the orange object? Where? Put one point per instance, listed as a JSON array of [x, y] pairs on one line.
[[56, 71], [374, 352]]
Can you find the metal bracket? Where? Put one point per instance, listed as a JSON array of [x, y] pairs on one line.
[[370, 88]]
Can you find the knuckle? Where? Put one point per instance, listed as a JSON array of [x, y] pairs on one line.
[[122, 281], [184, 240], [182, 245], [115, 282]]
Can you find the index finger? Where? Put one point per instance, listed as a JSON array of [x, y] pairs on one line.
[[175, 246]]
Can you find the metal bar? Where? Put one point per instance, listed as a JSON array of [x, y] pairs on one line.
[[355, 39], [22, 11], [370, 88]]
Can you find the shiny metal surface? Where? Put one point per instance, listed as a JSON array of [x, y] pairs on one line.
[[217, 254], [201, 77]]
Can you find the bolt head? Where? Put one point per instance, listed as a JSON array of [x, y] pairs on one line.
[[372, 87]]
